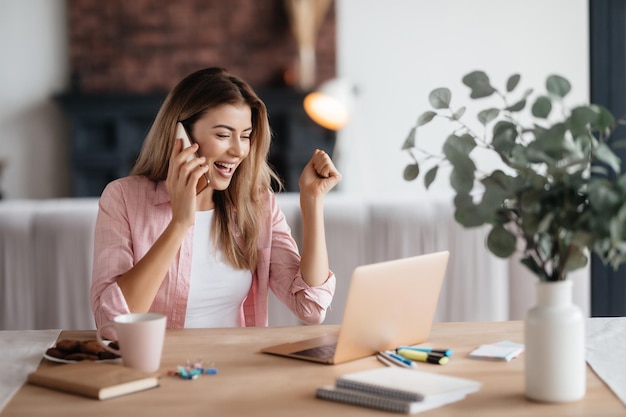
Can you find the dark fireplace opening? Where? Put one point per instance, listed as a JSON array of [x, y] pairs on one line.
[[107, 131]]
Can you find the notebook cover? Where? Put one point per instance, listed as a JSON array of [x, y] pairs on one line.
[[92, 379], [407, 384]]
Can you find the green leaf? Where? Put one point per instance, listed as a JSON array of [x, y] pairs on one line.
[[602, 197], [430, 176], [582, 239], [411, 172], [584, 115], [464, 201], [575, 260], [458, 114], [517, 157], [499, 179], [604, 119], [530, 222], [530, 263], [488, 115], [537, 156], [544, 224], [580, 119], [425, 117], [606, 155], [558, 85], [544, 244], [466, 213], [454, 144], [479, 83], [530, 201], [457, 149], [462, 180], [501, 242], [440, 98], [550, 142], [621, 183], [512, 82], [498, 189], [542, 107], [504, 136], [409, 142], [517, 106]]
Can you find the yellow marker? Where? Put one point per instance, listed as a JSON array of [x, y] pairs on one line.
[[415, 355]]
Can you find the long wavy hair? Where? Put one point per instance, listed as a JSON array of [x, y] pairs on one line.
[[238, 209]]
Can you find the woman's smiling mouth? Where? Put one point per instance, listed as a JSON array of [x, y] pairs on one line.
[[225, 169]]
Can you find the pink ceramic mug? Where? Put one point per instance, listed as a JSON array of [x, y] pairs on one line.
[[140, 337]]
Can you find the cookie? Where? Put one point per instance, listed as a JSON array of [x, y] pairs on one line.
[[80, 350], [81, 357], [91, 347], [55, 353], [68, 346], [105, 354]]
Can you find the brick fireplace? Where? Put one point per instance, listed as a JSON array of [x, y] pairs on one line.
[[125, 56]]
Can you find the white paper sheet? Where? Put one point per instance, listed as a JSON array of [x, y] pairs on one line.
[[606, 338], [22, 351]]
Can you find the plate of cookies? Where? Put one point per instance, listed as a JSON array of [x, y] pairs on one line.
[[71, 351]]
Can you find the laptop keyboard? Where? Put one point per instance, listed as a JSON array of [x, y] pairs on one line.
[[324, 351]]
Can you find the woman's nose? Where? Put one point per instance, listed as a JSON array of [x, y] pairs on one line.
[[236, 147]]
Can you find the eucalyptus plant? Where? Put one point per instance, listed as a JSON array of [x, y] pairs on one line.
[[559, 189]]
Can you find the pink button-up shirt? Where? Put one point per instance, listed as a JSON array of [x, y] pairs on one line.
[[134, 212]]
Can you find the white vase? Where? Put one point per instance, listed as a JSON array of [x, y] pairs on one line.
[[554, 335]]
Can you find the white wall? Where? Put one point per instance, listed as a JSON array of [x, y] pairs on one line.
[[397, 51], [33, 133]]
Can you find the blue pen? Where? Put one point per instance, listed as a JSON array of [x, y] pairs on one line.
[[445, 352]]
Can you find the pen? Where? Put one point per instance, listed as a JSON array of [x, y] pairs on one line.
[[384, 360], [416, 355], [398, 359], [445, 352]]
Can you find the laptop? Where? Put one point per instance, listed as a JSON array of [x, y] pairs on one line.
[[389, 304]]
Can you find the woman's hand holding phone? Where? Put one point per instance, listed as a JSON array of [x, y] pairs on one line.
[[186, 177]]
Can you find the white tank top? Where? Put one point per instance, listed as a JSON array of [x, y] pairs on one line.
[[216, 290]]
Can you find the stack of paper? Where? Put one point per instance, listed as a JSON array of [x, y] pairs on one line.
[[503, 351], [399, 390]]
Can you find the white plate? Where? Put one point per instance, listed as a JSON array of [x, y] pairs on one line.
[[59, 360]]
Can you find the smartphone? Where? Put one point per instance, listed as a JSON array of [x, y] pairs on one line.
[[181, 132]]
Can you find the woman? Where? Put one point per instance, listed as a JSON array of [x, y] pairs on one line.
[[196, 233]]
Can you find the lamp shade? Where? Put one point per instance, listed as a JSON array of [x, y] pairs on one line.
[[330, 105]]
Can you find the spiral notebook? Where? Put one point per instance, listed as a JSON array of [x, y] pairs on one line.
[[389, 304], [379, 402], [407, 384], [398, 389]]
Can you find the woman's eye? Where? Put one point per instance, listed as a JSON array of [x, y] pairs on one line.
[[223, 136]]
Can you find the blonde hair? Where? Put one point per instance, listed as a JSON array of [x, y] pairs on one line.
[[239, 208]]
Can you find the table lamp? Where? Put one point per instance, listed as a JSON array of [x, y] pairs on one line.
[[330, 105]]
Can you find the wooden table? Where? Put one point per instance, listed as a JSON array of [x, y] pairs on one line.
[[250, 383]]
